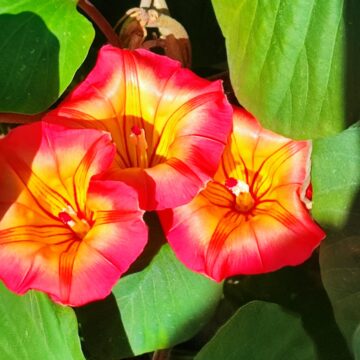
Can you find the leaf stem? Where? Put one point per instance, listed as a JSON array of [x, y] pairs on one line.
[[161, 354], [96, 16], [9, 118]]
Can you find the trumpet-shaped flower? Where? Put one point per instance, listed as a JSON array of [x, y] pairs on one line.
[[60, 231], [253, 217], [170, 126]]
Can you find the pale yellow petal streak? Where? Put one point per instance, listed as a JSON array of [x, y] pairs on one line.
[[50, 201], [111, 125], [266, 174], [168, 133], [83, 174], [133, 113], [232, 163]]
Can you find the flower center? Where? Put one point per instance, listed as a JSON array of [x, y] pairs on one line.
[[79, 226], [137, 138], [244, 200]]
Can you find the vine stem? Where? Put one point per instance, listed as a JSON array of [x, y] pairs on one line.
[[96, 16], [8, 118], [161, 354]]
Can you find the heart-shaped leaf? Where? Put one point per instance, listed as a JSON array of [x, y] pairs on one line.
[[42, 44], [165, 303], [336, 182], [32, 327], [336, 178], [258, 331], [294, 64]]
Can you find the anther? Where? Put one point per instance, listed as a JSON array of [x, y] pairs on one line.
[[136, 130], [69, 217], [237, 186], [244, 201]]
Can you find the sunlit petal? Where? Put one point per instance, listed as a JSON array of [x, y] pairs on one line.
[[163, 118], [252, 218], [115, 240], [51, 221]]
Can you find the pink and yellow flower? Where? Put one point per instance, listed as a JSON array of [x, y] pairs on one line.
[[253, 217], [170, 126], [60, 231]]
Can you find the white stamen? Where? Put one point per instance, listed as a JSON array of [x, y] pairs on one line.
[[71, 223], [240, 187]]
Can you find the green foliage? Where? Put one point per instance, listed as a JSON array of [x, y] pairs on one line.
[[42, 44], [336, 180], [158, 307], [165, 303], [32, 327], [160, 304], [340, 270], [295, 65], [260, 330], [288, 62], [298, 290]]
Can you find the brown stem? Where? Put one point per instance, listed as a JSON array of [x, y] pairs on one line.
[[161, 354], [7, 118], [96, 16]]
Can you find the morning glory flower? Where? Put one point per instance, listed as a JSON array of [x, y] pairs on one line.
[[253, 217], [169, 125], [60, 231]]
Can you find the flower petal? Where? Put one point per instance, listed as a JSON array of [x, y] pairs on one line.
[[185, 119], [116, 239], [214, 236], [29, 256], [189, 228], [45, 169], [50, 162], [270, 160]]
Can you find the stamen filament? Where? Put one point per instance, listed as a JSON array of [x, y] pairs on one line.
[[137, 138]]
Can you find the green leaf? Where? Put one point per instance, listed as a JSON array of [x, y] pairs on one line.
[[32, 327], [290, 62], [165, 303], [42, 44], [336, 182], [159, 304], [299, 290], [336, 178], [260, 330], [340, 272]]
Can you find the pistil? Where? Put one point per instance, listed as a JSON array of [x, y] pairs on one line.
[[79, 226], [138, 139], [244, 201]]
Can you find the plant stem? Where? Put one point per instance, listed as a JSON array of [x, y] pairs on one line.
[[161, 354], [96, 16], [8, 118]]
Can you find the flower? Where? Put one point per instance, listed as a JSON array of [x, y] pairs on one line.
[[60, 231], [170, 126], [252, 218]]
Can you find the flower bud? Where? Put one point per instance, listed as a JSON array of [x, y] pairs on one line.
[[151, 27]]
